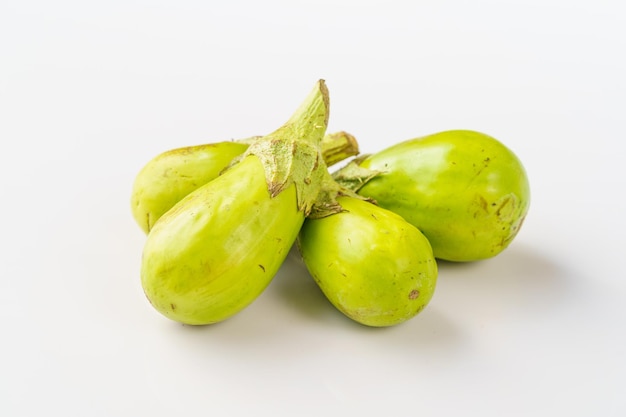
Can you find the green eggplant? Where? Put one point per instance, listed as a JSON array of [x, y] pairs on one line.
[[173, 174], [466, 191], [371, 264], [170, 176], [217, 249]]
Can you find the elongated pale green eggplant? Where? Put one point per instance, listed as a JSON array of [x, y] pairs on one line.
[[173, 174], [371, 264], [466, 191], [219, 247], [215, 251]]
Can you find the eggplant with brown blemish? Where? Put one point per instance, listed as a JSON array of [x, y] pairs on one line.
[[466, 191], [371, 264]]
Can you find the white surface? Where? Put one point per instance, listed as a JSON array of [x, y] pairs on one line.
[[90, 92]]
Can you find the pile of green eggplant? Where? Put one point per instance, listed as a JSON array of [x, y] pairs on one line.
[[221, 218]]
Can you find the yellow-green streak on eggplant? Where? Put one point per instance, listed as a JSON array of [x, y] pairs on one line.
[[173, 174], [370, 263], [466, 191], [215, 251]]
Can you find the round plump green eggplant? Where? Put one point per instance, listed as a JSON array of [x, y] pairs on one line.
[[371, 264], [466, 191], [218, 248], [170, 176]]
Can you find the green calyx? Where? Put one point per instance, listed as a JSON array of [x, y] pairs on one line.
[[332, 188], [292, 153], [353, 176], [345, 182]]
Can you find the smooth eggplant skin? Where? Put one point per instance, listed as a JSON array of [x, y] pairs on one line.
[[170, 176], [466, 191], [371, 264], [217, 249]]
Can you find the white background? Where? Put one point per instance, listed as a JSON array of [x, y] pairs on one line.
[[90, 91]]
